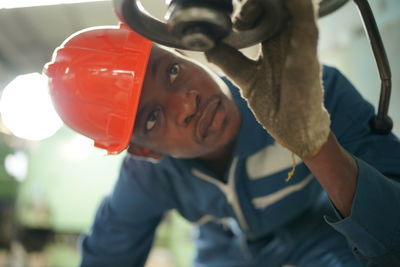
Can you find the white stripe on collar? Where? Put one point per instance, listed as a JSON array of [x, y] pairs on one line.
[[266, 201], [270, 160]]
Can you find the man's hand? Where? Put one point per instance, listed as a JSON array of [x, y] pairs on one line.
[[283, 86]]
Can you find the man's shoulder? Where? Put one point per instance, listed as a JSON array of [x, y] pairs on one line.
[[139, 166], [142, 167], [339, 91], [330, 76]]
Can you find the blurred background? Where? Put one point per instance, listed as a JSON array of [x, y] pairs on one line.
[[51, 179]]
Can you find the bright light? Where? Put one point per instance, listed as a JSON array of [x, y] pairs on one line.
[[30, 3], [26, 108], [17, 165]]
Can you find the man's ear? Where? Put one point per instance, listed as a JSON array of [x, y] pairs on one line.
[[144, 153]]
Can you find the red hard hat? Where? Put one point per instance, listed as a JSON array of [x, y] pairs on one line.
[[95, 81]]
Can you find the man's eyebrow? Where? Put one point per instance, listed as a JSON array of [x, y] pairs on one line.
[[155, 64], [154, 67]]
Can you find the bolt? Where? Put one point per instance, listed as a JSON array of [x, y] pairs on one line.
[[197, 41]]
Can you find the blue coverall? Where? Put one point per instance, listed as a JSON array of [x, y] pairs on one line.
[[256, 218]]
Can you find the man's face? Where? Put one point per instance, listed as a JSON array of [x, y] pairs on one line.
[[183, 111]]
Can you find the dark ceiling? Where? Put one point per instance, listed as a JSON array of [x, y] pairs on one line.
[[29, 35]]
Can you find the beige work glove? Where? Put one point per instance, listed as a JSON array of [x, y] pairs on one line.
[[283, 86]]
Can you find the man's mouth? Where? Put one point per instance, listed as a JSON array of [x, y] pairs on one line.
[[211, 119]]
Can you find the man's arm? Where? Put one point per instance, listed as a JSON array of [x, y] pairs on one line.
[[284, 91], [336, 171], [125, 223], [367, 202], [360, 172]]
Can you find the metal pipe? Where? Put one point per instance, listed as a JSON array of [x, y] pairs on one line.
[[381, 123]]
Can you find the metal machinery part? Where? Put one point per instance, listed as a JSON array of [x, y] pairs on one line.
[[198, 24], [328, 6]]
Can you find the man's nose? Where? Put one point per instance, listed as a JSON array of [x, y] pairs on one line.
[[185, 106]]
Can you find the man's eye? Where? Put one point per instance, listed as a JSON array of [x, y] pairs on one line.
[[173, 72], [151, 121]]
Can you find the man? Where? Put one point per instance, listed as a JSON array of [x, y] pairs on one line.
[[211, 159]]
